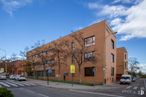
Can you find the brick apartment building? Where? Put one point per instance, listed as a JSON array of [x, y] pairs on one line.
[[122, 62], [12, 67], [94, 47], [19, 67]]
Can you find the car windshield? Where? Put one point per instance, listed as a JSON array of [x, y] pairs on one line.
[[125, 77]]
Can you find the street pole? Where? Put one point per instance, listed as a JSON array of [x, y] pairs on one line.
[[48, 79], [72, 79]]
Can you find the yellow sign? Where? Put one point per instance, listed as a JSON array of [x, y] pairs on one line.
[[1, 70], [72, 68]]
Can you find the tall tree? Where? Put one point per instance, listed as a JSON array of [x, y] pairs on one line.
[[27, 65], [23, 53], [61, 51], [78, 50], [133, 66]]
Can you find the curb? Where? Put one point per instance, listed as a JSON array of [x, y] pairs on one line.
[[69, 86]]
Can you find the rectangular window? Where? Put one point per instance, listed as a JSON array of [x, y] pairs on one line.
[[89, 55], [125, 56], [73, 45], [113, 43], [73, 59], [46, 61], [89, 41], [113, 58], [89, 71], [51, 61], [112, 71], [125, 65], [45, 52]]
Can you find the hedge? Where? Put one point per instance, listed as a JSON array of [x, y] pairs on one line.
[[4, 92]]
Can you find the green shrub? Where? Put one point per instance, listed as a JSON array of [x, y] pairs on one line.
[[4, 92]]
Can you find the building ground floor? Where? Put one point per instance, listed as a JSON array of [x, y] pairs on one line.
[[90, 74]]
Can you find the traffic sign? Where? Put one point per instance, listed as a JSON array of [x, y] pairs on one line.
[[50, 71], [72, 68]]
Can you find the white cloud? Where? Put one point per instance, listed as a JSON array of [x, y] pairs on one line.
[[134, 25], [94, 5], [127, 1], [128, 21], [11, 5], [113, 11]]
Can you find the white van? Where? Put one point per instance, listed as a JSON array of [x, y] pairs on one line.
[[125, 79]]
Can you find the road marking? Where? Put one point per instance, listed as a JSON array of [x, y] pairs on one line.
[[30, 83], [135, 88], [26, 84], [12, 84], [6, 85], [128, 87], [142, 88], [103, 94], [42, 95], [33, 92], [16, 83]]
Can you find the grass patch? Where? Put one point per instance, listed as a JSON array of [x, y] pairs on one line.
[[69, 82]]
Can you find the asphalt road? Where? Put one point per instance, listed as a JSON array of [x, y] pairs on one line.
[[27, 89], [135, 89], [41, 91]]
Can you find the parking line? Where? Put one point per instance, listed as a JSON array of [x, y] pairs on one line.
[[95, 93]]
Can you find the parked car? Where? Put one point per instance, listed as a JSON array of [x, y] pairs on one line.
[[3, 77], [125, 79], [134, 79], [12, 77], [20, 78]]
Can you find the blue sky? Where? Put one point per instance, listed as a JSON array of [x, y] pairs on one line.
[[24, 22]]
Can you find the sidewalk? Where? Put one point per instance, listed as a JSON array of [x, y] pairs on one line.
[[74, 86]]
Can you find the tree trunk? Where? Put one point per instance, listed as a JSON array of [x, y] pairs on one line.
[[80, 79]]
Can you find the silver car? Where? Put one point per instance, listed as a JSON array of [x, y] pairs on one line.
[[3, 77]]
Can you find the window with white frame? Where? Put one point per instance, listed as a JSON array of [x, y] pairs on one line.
[[89, 41], [89, 55]]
